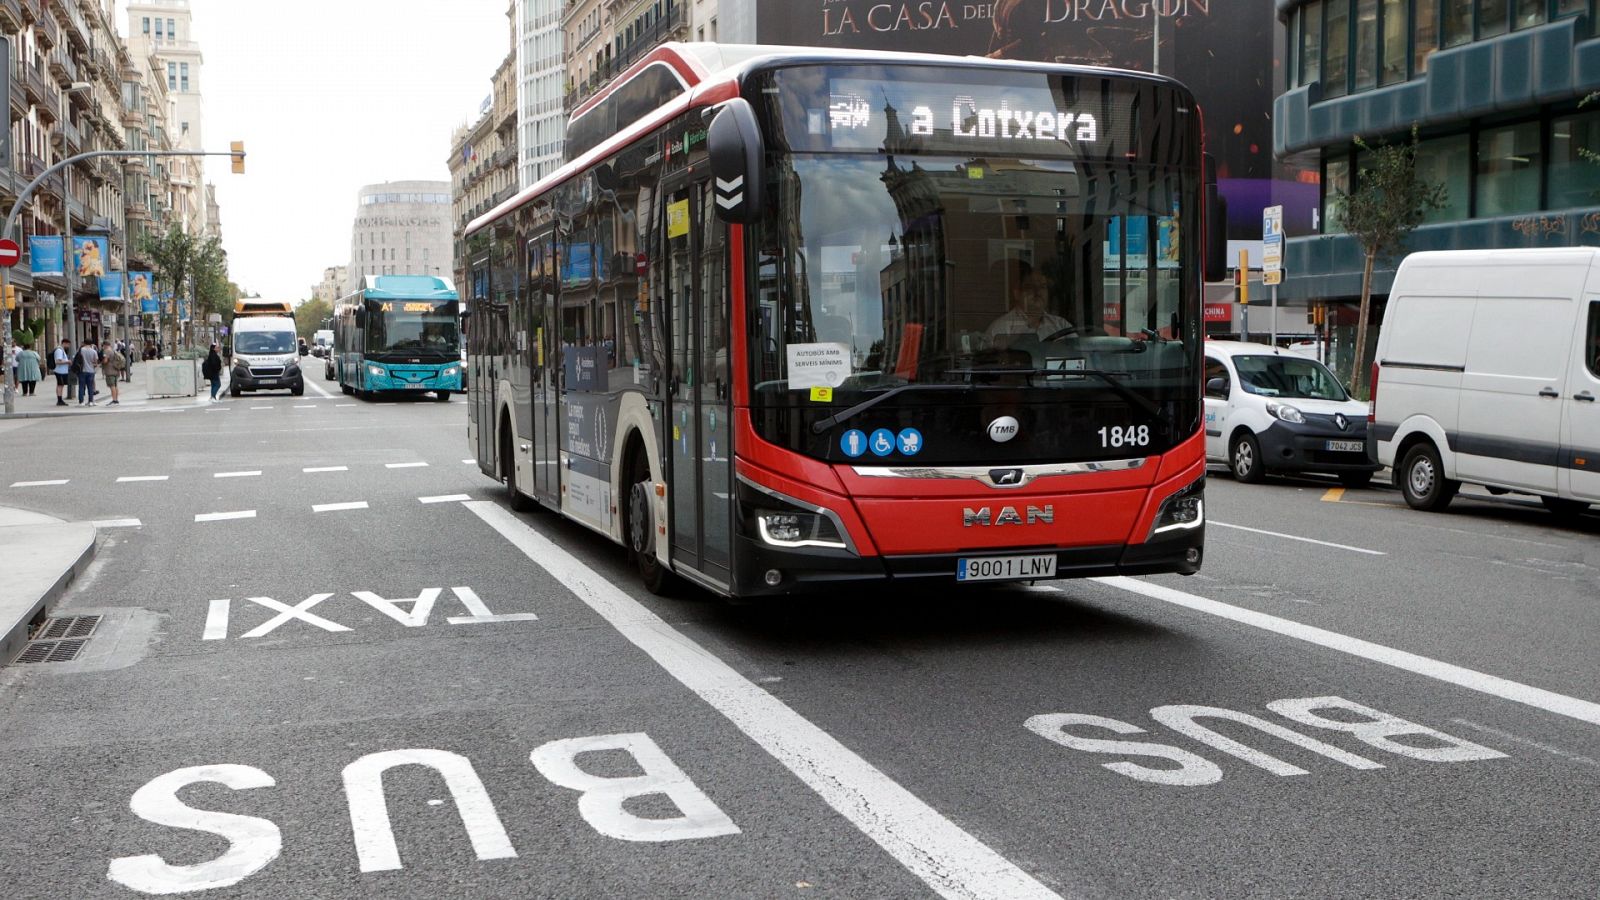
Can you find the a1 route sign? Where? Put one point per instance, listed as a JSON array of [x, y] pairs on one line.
[[10, 253]]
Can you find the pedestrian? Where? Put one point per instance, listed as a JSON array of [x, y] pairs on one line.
[[113, 363], [16, 355], [28, 372], [87, 361], [61, 367], [212, 370]]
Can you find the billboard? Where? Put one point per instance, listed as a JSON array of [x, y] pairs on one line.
[[1221, 49], [46, 255], [113, 287], [141, 287], [89, 255]]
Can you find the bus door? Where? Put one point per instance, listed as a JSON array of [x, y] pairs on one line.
[[699, 393], [543, 338], [482, 375]]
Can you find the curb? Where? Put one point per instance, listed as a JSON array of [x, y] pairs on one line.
[[14, 635]]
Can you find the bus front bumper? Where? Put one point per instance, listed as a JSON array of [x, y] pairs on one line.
[[381, 377]]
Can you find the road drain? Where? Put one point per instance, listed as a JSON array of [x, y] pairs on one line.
[[59, 639]]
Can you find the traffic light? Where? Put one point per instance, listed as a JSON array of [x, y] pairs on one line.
[[11, 297], [1241, 278], [237, 150]]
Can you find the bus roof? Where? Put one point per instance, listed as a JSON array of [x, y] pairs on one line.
[[408, 287], [711, 74]]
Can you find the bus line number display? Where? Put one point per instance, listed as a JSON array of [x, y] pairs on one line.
[[388, 307]]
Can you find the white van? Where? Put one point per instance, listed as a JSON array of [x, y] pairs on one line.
[[265, 355], [1486, 372]]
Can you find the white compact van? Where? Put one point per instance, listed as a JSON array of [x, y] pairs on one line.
[[1487, 372], [265, 355]]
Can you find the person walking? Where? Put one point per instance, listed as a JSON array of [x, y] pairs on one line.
[[88, 360], [61, 367], [212, 370], [113, 363], [28, 372]]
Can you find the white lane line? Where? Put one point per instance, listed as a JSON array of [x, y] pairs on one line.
[[117, 523], [410, 465], [446, 498], [327, 469], [318, 390], [263, 407], [39, 483], [342, 404], [336, 507], [218, 408], [306, 406], [936, 850], [1293, 537], [249, 474], [142, 478], [1493, 685], [469, 461], [218, 517], [180, 409]]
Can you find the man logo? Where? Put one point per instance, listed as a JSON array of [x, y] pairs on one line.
[[1008, 516], [1003, 429], [1341, 421], [1005, 477]]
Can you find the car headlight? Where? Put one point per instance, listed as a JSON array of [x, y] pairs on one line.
[[792, 528], [1183, 511], [1286, 412], [291, 366], [376, 371]]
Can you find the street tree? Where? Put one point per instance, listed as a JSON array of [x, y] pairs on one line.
[[308, 317], [1390, 200], [181, 261]]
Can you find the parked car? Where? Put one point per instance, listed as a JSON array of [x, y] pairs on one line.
[[1271, 410], [1486, 372]]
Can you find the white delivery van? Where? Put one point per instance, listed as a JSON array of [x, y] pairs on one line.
[[1487, 372], [265, 355]]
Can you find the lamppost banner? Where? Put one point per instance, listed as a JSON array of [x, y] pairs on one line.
[[89, 255], [112, 287], [46, 255], [141, 287]]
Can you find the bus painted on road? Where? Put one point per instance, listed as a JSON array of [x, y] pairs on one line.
[[797, 318], [399, 334]]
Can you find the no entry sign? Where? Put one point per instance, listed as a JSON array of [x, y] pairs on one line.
[[9, 252]]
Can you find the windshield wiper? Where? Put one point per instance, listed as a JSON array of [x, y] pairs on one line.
[[822, 425]]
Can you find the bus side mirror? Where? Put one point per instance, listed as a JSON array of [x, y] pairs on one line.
[[734, 141], [361, 318]]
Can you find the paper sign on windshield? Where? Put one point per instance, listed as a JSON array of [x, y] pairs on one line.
[[818, 365]]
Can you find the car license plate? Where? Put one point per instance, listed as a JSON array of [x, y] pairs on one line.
[[415, 387], [1347, 446], [1006, 568]]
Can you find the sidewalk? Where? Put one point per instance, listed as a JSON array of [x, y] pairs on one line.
[[43, 557], [134, 395]]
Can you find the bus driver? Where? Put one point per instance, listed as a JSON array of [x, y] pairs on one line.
[[1028, 314]]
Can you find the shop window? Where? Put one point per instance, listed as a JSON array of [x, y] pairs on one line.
[[1457, 22], [1574, 176], [1425, 34], [1336, 49], [1394, 42], [1447, 162], [1493, 18], [1508, 170], [1311, 43], [1335, 184], [1530, 13], [1366, 56]]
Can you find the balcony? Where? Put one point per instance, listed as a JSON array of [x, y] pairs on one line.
[[11, 15], [666, 28], [30, 11], [62, 68], [46, 31], [33, 83], [66, 138], [72, 22]]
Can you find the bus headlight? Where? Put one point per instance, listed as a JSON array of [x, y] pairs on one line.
[[793, 528], [450, 370], [376, 371], [1182, 511]]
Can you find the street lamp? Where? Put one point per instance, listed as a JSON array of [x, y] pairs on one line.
[[77, 87]]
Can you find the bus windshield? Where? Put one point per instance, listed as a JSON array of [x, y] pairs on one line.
[[413, 326]]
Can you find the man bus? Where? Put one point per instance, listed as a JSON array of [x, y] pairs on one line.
[[399, 334], [746, 330]]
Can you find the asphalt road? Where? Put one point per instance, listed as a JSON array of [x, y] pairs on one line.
[[332, 664]]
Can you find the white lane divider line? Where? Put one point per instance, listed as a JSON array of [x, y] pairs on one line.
[[250, 474], [127, 478], [469, 461], [1493, 685], [210, 409], [336, 507], [263, 407], [39, 483], [952, 862], [446, 498], [409, 465], [170, 410], [342, 404], [306, 406], [326, 469], [222, 516], [117, 523], [1294, 537]]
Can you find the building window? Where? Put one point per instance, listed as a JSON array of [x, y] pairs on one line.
[[1395, 34], [1425, 34], [1311, 54], [146, 24], [1457, 22], [1337, 53], [1335, 185], [1531, 13], [1447, 162], [1366, 58], [1574, 176], [172, 76], [159, 32], [172, 30], [1571, 7], [1493, 18], [183, 77], [1292, 72], [1508, 170]]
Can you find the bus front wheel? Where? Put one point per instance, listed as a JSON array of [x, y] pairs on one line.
[[442, 396], [640, 529]]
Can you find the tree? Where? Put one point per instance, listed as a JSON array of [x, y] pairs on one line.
[[189, 266], [308, 317], [1389, 202]]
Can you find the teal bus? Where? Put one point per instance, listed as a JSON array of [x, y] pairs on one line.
[[399, 334]]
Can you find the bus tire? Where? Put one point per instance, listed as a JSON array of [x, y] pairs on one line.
[[639, 527], [442, 396], [345, 388], [518, 501]]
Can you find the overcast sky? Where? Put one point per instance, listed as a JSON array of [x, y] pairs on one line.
[[329, 95]]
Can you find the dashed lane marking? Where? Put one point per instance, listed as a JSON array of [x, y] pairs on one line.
[[142, 478], [336, 507], [948, 859], [306, 406], [256, 472], [407, 465], [469, 461], [263, 407], [446, 498], [327, 469], [117, 523], [1493, 685], [221, 516], [1295, 537], [39, 483], [212, 409]]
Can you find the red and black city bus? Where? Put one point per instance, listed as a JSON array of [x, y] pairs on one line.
[[792, 318]]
